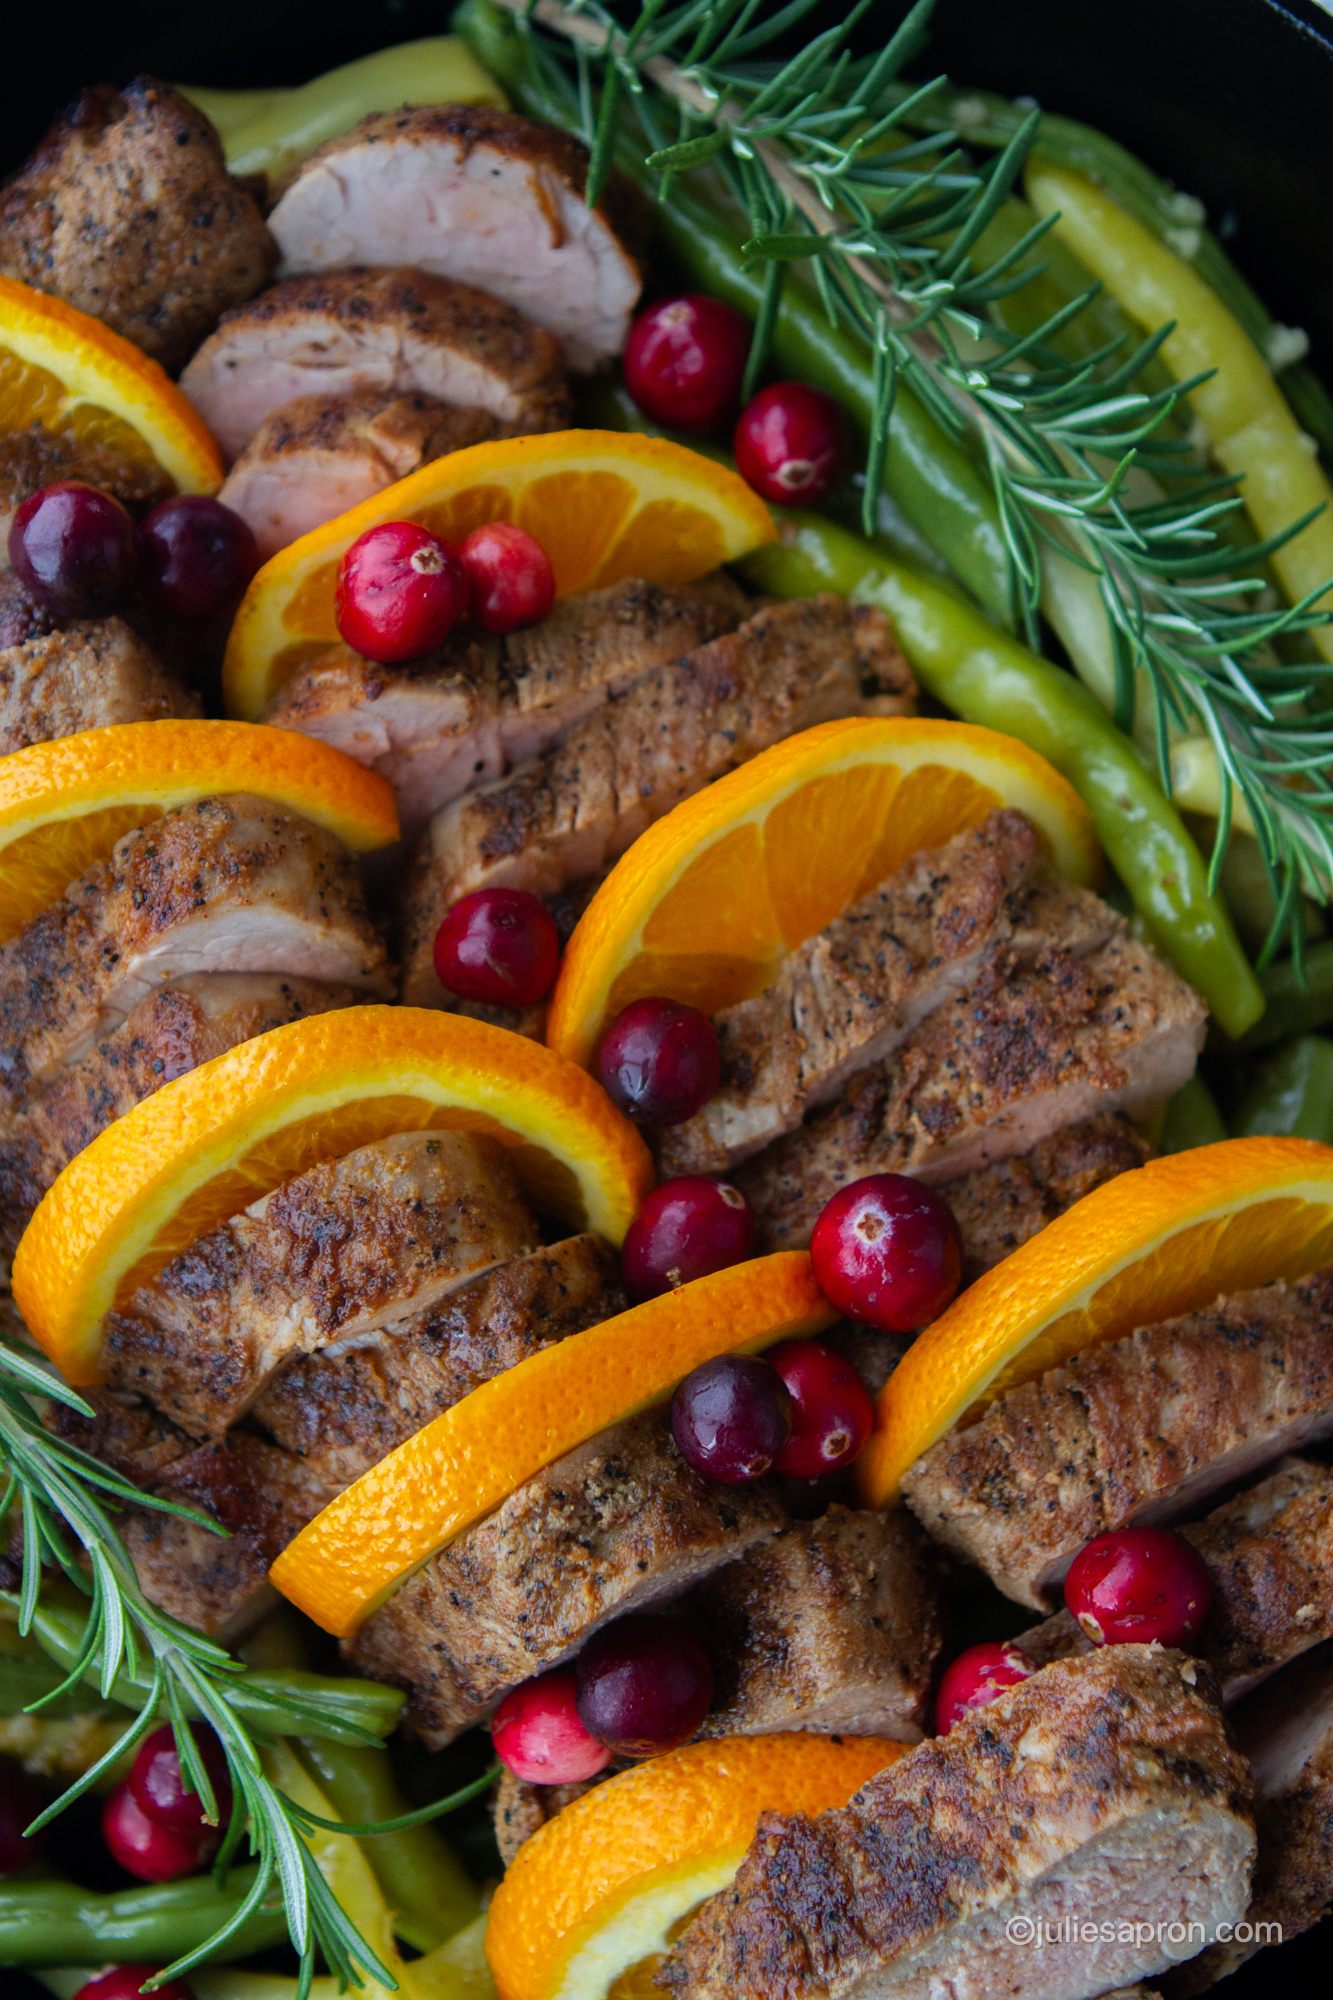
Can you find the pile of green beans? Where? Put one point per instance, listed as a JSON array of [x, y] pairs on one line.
[[60, 1923]]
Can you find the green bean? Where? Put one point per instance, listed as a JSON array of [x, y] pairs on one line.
[[229, 111], [1290, 1092], [1192, 1119], [1297, 1001], [429, 1891], [59, 1923]]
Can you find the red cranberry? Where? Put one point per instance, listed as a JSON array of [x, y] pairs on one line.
[[832, 1413], [684, 1230], [659, 1061], [510, 577], [154, 1853], [975, 1678], [1137, 1585], [789, 443], [75, 548], [644, 1684], [887, 1250], [685, 360], [198, 557], [125, 1982], [731, 1418], [537, 1733], [158, 1784], [499, 945], [20, 1803], [400, 591]]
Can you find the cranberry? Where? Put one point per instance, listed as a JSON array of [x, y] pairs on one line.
[[400, 591], [1137, 1585], [158, 1784], [154, 1853], [975, 1678], [684, 1230], [125, 1982], [731, 1418], [510, 577], [685, 360], [887, 1250], [75, 548], [198, 557], [659, 1061], [789, 443], [832, 1413], [499, 945], [537, 1733], [20, 1803], [644, 1684]]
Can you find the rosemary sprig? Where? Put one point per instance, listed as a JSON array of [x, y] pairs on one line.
[[816, 152]]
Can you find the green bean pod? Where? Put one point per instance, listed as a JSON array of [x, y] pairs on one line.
[[1192, 1119], [59, 1923], [1297, 1000], [1290, 1093]]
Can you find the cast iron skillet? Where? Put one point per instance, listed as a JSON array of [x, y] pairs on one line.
[[1231, 99]]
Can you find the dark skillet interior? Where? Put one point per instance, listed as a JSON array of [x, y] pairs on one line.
[[1231, 99]]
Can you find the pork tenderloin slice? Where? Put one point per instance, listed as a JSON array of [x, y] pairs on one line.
[[391, 331], [1102, 1788], [478, 706], [33, 458], [616, 1526], [1270, 1556], [471, 193], [174, 1030], [1001, 1207], [338, 1251], [1140, 1430], [88, 675], [229, 884], [668, 734]]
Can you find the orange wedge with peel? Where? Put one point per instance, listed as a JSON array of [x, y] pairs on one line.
[[603, 504], [596, 1894], [707, 901], [469, 1459], [1164, 1239], [64, 805], [64, 370], [207, 1145]]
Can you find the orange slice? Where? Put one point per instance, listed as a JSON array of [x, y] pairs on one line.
[[209, 1144], [603, 504], [64, 805], [64, 370], [468, 1460], [1167, 1238], [592, 1899], [706, 902]]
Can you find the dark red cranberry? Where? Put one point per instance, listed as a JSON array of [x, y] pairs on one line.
[[537, 1733], [154, 1853], [789, 443], [684, 1230], [1137, 1585], [400, 592], [499, 945], [75, 548], [975, 1678], [20, 1803], [887, 1250], [510, 576], [125, 1982], [685, 360], [731, 1418], [659, 1061], [644, 1684], [158, 1784], [198, 556], [832, 1414]]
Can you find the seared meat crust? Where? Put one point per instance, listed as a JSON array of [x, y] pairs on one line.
[[33, 458], [87, 675], [998, 1208]]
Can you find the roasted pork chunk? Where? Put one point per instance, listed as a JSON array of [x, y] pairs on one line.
[[33, 458], [87, 675], [127, 211], [372, 330], [475, 194], [1103, 1788], [1140, 1430]]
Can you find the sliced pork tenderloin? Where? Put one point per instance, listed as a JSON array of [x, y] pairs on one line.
[[1103, 1789], [33, 458], [229, 884], [1140, 1430], [483, 196], [88, 675], [392, 332], [1001, 1207]]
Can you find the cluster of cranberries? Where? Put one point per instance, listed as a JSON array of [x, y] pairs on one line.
[[152, 1823], [401, 590], [81, 555], [684, 366]]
